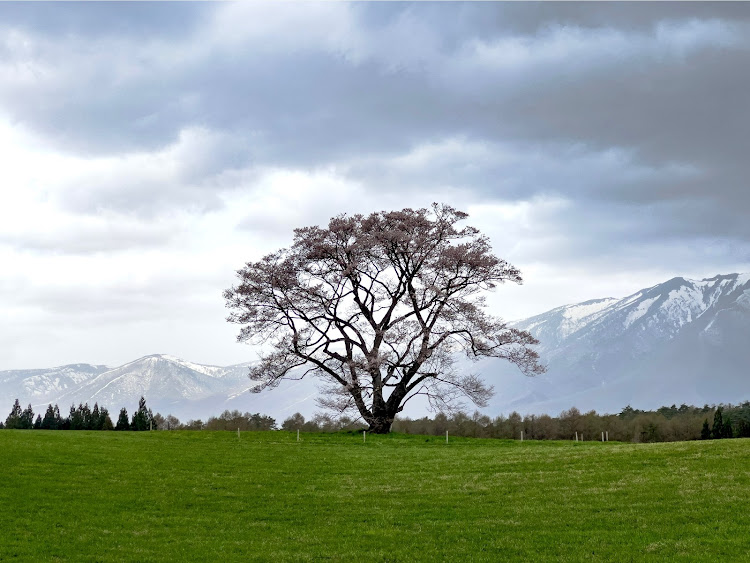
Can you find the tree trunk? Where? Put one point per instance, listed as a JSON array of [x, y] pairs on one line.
[[381, 419], [380, 424]]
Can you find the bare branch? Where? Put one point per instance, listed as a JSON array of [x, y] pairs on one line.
[[377, 307]]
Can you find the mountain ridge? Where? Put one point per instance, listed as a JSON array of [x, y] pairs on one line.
[[682, 340], [170, 384], [673, 335]]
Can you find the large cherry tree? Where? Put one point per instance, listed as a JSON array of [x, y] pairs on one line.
[[378, 308]]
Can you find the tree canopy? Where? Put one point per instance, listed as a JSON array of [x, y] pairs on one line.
[[378, 307]]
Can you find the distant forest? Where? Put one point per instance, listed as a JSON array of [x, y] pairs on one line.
[[666, 424]]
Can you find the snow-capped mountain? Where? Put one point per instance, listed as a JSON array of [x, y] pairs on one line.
[[680, 341], [170, 385], [39, 384], [646, 318]]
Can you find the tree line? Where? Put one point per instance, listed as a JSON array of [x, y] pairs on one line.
[[666, 424], [81, 417]]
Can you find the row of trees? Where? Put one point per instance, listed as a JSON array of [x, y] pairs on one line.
[[665, 424], [84, 418], [723, 426], [80, 418], [228, 420]]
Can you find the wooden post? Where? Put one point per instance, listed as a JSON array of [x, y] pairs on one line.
[[602, 436], [522, 435], [150, 425], [607, 435], [446, 436], [364, 435], [298, 434], [576, 436]]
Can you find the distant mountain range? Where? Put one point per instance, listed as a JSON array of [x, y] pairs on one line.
[[680, 341], [169, 384]]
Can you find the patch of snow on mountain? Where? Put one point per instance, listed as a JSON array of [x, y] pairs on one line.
[[625, 301], [211, 371], [532, 326], [577, 316], [683, 305], [638, 312], [237, 394], [744, 300], [40, 385], [715, 293]]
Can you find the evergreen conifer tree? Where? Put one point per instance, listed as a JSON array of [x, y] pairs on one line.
[[142, 418], [38, 422], [14, 418], [717, 430], [122, 421], [86, 419], [705, 431], [743, 429], [76, 418], [105, 423], [60, 422], [96, 422], [49, 422], [27, 418], [727, 431]]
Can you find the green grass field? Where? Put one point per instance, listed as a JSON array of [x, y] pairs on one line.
[[209, 496]]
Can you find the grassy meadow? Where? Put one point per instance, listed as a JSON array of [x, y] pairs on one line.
[[209, 496]]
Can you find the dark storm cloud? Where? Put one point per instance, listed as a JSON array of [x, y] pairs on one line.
[[620, 106], [529, 17], [467, 20], [312, 104], [315, 105]]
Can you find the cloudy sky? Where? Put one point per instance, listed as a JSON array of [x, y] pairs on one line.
[[148, 150]]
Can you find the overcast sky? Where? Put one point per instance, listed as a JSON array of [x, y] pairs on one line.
[[148, 150]]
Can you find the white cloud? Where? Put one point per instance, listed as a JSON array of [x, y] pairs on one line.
[[582, 47], [273, 26], [139, 173], [330, 27]]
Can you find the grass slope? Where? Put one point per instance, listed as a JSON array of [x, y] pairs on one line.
[[209, 496]]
